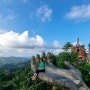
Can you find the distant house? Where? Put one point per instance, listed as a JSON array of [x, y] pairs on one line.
[[79, 47]]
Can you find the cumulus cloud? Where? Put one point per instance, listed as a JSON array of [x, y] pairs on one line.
[[2, 31], [79, 12], [12, 43], [15, 40], [44, 13]]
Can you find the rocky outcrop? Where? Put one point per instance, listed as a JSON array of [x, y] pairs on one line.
[[70, 78]]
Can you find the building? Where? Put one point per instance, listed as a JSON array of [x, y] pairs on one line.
[[79, 47]]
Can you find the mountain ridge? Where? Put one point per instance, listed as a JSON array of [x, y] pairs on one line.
[[11, 64]]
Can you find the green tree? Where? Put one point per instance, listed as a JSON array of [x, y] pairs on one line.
[[84, 67], [53, 58], [67, 46], [74, 58], [63, 56], [71, 57]]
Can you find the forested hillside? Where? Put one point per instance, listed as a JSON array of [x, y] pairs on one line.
[[19, 79], [9, 60], [15, 74], [12, 64]]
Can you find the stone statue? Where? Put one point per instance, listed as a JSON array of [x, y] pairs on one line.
[[43, 56], [70, 79], [37, 60], [49, 60], [33, 63]]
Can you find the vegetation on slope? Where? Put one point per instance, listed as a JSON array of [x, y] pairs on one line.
[[20, 80]]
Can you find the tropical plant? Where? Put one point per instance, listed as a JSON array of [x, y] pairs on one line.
[[84, 67], [67, 46], [61, 58]]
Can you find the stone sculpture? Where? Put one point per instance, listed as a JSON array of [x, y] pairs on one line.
[[37, 60], [70, 78], [43, 56]]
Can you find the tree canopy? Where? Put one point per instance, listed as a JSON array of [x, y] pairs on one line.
[[67, 46]]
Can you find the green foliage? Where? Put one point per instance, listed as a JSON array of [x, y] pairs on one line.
[[61, 58], [20, 80], [72, 57], [12, 67], [84, 67], [5, 80], [54, 59], [67, 46]]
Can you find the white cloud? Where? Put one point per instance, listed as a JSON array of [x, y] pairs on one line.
[[2, 31], [56, 43], [15, 44], [7, 15], [10, 17], [25, 1], [44, 13], [79, 12], [15, 40], [57, 51]]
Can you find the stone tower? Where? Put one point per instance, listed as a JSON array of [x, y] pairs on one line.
[[79, 47]]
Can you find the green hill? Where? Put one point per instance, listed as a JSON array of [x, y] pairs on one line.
[[20, 80], [12, 64], [9, 60]]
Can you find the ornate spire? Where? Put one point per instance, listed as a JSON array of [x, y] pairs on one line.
[[77, 42]]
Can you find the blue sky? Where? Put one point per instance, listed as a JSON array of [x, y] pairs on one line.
[[28, 27]]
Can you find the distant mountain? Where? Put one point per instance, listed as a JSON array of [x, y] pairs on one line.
[[11, 64], [9, 60]]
